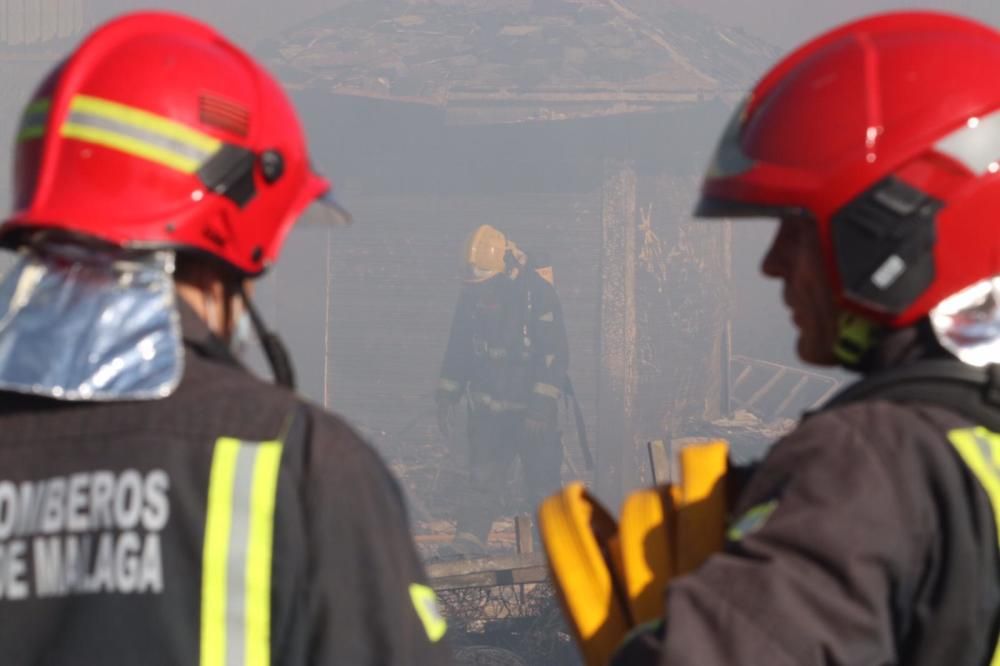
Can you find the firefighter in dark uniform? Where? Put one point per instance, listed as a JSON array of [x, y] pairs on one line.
[[869, 534], [158, 503], [507, 353]]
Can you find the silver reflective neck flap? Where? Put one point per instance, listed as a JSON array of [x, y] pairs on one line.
[[968, 323], [83, 324]]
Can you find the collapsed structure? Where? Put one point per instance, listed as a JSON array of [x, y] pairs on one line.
[[536, 117]]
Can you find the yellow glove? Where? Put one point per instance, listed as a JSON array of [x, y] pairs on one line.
[[612, 577], [669, 531]]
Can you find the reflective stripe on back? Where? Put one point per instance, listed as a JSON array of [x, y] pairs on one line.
[[236, 562]]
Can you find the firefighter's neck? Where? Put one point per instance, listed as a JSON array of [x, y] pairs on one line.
[[216, 301]]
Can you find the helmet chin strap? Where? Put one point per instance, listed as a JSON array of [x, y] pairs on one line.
[[274, 348], [856, 336]]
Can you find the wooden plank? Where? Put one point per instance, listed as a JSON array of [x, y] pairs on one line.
[[525, 542], [768, 385], [525, 539], [433, 538], [481, 565], [781, 371], [792, 395], [726, 391], [659, 462], [524, 576], [744, 373], [616, 459]]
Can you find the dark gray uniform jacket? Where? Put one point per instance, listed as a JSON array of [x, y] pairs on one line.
[[508, 347], [180, 531], [864, 539]]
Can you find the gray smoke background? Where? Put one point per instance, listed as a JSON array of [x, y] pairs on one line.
[[420, 111], [762, 329], [435, 116]]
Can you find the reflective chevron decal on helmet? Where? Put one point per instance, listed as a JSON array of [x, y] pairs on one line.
[[139, 133]]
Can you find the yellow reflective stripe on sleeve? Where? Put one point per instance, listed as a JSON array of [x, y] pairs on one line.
[[238, 546], [548, 390], [751, 521], [494, 405], [139, 133], [979, 449], [448, 385], [425, 604]]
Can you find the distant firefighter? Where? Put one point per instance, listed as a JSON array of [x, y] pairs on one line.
[[507, 353]]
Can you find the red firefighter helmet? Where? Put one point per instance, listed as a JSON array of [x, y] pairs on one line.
[[886, 132], [159, 132]]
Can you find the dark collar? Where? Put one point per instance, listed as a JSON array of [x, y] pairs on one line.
[[903, 347], [200, 339]]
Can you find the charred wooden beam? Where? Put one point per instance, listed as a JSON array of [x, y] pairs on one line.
[[527, 576], [618, 380], [659, 462], [488, 571]]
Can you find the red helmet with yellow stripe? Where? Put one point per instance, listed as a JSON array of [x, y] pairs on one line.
[[159, 132]]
